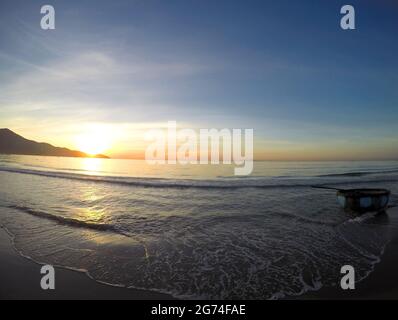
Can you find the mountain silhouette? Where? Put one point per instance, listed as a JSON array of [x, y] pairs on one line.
[[12, 143]]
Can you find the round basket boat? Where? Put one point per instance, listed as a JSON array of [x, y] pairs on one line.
[[364, 200]]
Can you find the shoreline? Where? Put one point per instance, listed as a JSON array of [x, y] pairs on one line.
[[380, 284], [20, 279]]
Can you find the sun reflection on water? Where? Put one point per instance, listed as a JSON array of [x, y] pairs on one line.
[[91, 210], [92, 165]]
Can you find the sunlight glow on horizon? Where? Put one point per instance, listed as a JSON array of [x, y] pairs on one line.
[[94, 140]]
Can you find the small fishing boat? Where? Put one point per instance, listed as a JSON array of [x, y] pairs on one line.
[[362, 200]]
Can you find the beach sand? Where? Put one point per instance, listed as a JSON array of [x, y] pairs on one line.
[[382, 283], [20, 279]]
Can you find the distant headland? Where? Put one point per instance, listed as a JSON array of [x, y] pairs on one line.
[[12, 143]]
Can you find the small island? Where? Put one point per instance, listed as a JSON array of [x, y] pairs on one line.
[[12, 143]]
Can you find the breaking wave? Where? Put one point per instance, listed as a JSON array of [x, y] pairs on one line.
[[258, 183], [66, 221]]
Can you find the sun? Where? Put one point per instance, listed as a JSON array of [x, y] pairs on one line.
[[92, 145], [94, 141]]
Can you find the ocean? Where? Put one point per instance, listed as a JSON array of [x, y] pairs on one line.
[[195, 232]]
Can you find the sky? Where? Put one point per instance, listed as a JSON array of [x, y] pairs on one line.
[[111, 70]]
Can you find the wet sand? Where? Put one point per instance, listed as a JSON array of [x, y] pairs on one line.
[[20, 279], [382, 283]]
